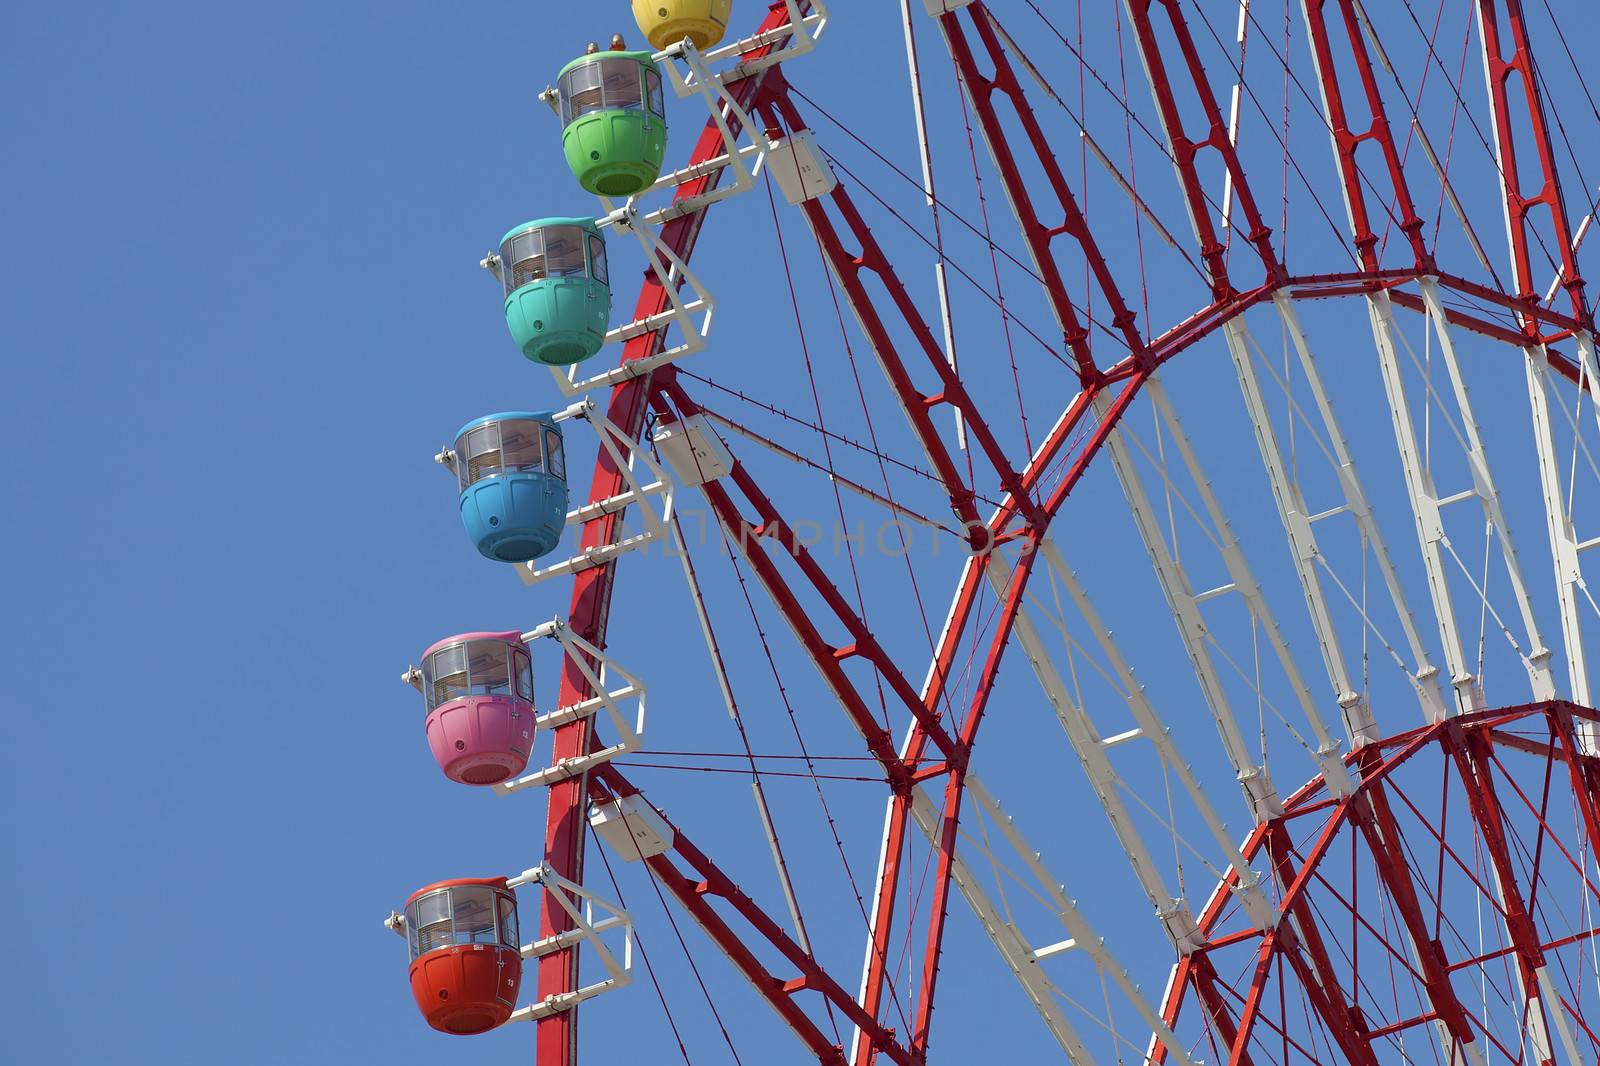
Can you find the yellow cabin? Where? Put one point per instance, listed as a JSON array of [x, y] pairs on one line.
[[666, 22]]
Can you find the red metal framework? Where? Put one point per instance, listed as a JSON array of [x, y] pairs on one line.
[[1499, 69], [1442, 824], [1235, 1016]]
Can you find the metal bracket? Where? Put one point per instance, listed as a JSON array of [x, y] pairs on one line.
[[794, 38], [625, 453], [673, 274], [596, 668], [582, 906]]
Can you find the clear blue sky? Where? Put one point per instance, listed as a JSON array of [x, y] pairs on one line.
[[241, 311]]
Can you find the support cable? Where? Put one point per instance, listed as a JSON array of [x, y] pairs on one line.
[[638, 942], [994, 262], [794, 723], [719, 667], [827, 449]]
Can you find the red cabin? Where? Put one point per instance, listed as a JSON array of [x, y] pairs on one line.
[[466, 962]]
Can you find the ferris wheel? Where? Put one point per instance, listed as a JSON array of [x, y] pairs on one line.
[[1219, 382]]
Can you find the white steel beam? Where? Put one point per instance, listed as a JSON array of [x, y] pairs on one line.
[[1252, 775], [1424, 673], [1243, 581], [1424, 499], [1013, 946], [1014, 951], [1152, 728], [1358, 721], [1558, 519], [1086, 742], [1173, 912], [1538, 655]]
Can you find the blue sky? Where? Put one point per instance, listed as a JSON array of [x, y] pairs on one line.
[[242, 311]]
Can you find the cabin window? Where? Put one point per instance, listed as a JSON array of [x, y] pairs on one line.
[[610, 83], [508, 922], [430, 917], [474, 910], [597, 260], [652, 84], [581, 92], [489, 668], [521, 259], [524, 673], [558, 459], [623, 83], [563, 250], [550, 252], [464, 914], [511, 446], [519, 446], [478, 453], [476, 668], [444, 675]]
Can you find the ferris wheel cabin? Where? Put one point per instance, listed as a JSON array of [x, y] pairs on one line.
[[478, 691], [558, 292], [513, 475], [466, 962], [613, 121], [666, 22]]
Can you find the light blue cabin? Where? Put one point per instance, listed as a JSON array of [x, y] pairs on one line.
[[513, 475]]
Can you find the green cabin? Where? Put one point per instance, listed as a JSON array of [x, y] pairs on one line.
[[613, 121]]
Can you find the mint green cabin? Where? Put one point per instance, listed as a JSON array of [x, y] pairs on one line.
[[613, 121], [558, 294]]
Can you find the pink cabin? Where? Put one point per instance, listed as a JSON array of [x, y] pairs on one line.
[[479, 692]]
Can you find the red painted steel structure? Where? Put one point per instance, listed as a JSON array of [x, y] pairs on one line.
[[1320, 889], [1233, 1017], [566, 824]]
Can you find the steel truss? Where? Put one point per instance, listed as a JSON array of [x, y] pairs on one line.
[[1280, 877], [1346, 865]]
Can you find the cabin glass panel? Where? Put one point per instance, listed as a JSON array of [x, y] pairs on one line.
[[444, 675], [476, 668], [430, 917], [524, 673], [489, 668], [597, 260], [497, 448], [580, 92], [652, 84], [558, 458], [474, 911], [463, 914], [508, 923], [609, 84], [551, 252]]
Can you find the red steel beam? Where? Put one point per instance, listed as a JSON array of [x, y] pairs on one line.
[[848, 268], [1382, 835], [1469, 749], [708, 882], [1346, 141], [1467, 741], [1584, 771], [1040, 237], [1185, 149], [746, 538], [556, 1036], [1499, 69], [1203, 974], [1317, 974]]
